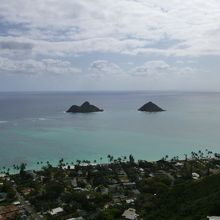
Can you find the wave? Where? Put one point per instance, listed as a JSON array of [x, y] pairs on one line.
[[3, 122], [42, 119]]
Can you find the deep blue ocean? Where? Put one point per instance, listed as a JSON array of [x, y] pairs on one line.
[[34, 126]]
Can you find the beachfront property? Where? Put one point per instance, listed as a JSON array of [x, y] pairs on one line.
[[119, 189]]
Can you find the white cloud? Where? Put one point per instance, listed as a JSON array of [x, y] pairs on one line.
[[154, 74], [42, 36], [104, 67], [151, 68], [123, 26], [155, 69], [35, 67]]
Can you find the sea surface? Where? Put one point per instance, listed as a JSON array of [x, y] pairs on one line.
[[34, 126]]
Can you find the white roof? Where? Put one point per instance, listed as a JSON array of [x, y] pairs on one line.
[[77, 218], [66, 167], [128, 201], [2, 175], [56, 211], [195, 176], [130, 214], [16, 203], [87, 164], [213, 217], [179, 164]]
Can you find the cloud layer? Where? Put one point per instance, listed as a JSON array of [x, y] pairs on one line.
[[35, 67], [160, 39], [125, 26]]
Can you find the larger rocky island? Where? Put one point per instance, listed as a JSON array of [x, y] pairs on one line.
[[150, 107], [86, 107]]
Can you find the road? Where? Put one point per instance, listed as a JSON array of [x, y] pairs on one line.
[[26, 206]]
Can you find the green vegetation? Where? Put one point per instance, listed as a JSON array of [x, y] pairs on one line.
[[173, 189], [188, 200]]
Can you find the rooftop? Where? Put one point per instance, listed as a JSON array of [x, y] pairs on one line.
[[213, 217], [56, 211], [130, 214]]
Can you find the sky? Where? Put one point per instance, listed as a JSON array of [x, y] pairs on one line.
[[109, 45]]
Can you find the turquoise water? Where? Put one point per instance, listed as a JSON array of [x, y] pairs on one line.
[[34, 127]]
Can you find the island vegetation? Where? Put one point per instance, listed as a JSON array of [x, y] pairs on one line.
[[86, 107]]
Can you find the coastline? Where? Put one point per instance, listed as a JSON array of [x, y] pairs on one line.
[[123, 184]]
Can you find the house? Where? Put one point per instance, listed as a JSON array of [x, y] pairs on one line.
[[142, 172], [68, 167], [104, 191], [179, 164], [122, 176], [2, 175], [130, 201], [9, 211], [130, 185], [213, 217], [151, 175], [16, 203], [135, 191], [32, 174], [56, 211], [114, 188], [130, 214], [74, 182], [195, 176], [79, 189], [77, 218], [118, 197], [26, 191], [214, 171]]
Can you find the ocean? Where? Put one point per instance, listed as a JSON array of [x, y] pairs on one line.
[[34, 126]]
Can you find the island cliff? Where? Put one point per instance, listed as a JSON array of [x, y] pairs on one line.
[[86, 107], [150, 107]]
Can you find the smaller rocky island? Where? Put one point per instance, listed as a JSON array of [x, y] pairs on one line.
[[86, 107], [150, 107]]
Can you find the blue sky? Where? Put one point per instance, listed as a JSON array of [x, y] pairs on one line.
[[109, 45]]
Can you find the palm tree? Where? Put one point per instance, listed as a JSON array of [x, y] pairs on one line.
[[131, 158], [119, 159], [78, 162], [109, 157]]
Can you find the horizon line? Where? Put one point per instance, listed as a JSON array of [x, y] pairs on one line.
[[93, 91]]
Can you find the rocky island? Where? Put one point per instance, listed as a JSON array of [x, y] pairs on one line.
[[86, 107], [150, 107]]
